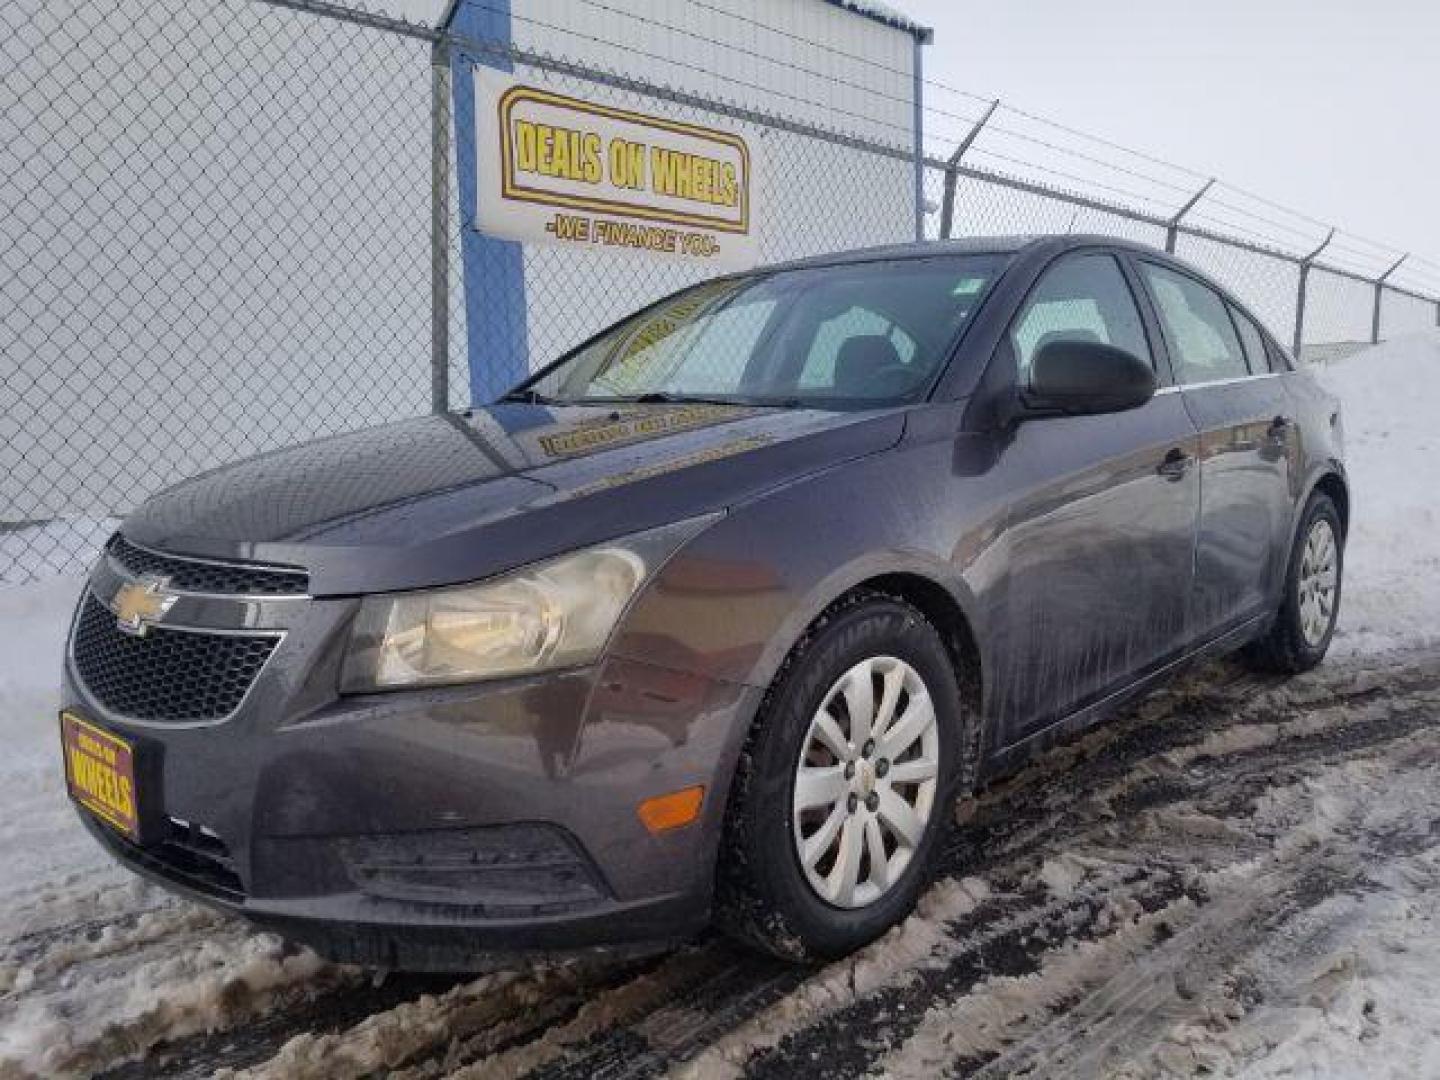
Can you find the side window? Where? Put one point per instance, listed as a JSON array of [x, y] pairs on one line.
[[833, 333], [1081, 298], [1253, 340], [1204, 344]]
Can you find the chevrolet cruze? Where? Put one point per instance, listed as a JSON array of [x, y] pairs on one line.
[[712, 619]]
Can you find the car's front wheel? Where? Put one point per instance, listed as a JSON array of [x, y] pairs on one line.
[[844, 788]]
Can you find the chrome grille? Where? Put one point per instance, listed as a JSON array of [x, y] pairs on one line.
[[168, 675], [192, 575]]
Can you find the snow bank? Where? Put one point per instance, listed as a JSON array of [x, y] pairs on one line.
[[1391, 406]]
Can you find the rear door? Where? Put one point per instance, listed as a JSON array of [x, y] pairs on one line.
[[1101, 530], [1246, 435]]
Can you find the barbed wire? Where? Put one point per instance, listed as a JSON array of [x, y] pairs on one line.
[[985, 151], [1201, 218], [903, 99], [1081, 155], [1302, 234]]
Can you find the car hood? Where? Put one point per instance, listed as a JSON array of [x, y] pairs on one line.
[[457, 497]]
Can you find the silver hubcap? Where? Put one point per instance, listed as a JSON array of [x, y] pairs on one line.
[[1319, 577], [865, 782]]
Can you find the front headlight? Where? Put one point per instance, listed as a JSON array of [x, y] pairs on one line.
[[555, 614]]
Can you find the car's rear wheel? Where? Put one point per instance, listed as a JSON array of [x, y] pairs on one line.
[[844, 787], [1305, 623]]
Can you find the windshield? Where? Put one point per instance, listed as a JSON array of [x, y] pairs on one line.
[[863, 334]]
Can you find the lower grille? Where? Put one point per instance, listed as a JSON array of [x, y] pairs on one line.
[[504, 871], [168, 675], [193, 857]]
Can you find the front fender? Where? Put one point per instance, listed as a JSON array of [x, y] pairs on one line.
[[733, 602]]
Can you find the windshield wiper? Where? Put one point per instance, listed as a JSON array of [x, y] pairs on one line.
[[531, 397], [666, 397], [663, 397]]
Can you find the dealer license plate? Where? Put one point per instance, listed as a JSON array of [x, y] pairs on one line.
[[100, 773]]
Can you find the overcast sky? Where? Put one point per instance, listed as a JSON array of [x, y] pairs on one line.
[[1332, 106]]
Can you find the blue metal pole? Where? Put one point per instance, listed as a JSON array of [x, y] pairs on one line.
[[494, 270]]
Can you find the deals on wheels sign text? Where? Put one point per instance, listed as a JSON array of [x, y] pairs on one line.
[[556, 169]]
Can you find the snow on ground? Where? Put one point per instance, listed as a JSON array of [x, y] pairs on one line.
[[1239, 876], [37, 828], [1391, 397]]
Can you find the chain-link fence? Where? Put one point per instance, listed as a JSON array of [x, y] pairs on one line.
[[214, 242], [233, 226]]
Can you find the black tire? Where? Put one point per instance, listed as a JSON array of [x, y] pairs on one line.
[[1285, 648], [762, 895]]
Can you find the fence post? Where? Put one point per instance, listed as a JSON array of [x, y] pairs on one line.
[[440, 226], [1172, 227], [917, 83], [1379, 293], [952, 170], [1305, 265]]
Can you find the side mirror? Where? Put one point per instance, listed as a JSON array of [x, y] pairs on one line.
[[1083, 377]]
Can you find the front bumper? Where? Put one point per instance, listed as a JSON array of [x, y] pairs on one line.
[[350, 926], [439, 829]]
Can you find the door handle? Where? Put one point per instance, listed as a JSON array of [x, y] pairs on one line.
[[1175, 464], [1279, 429]]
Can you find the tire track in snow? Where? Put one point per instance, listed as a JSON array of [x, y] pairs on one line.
[[1125, 1016], [393, 1020], [846, 1042], [235, 1047], [1126, 1003], [481, 1027]]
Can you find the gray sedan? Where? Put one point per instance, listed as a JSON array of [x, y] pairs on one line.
[[712, 619]]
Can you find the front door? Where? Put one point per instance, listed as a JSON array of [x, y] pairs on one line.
[[1099, 543]]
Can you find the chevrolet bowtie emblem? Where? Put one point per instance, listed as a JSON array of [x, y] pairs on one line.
[[137, 604]]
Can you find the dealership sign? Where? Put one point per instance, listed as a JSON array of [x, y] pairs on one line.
[[561, 170]]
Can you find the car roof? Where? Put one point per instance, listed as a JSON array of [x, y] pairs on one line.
[[973, 245]]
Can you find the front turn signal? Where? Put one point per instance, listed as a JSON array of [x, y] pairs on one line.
[[672, 811]]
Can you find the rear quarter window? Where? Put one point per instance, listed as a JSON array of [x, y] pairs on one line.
[[1253, 341]]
